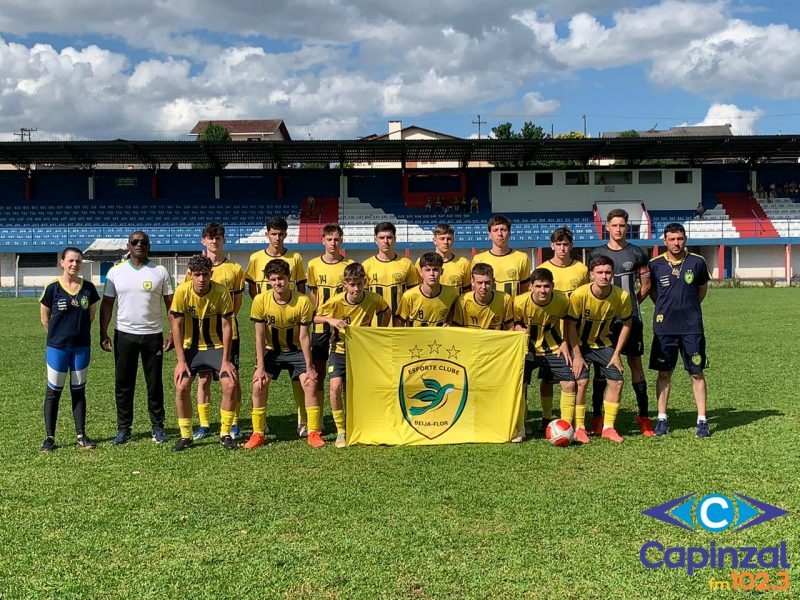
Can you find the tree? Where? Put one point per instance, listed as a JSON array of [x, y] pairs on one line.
[[572, 135], [529, 131], [214, 132], [629, 133]]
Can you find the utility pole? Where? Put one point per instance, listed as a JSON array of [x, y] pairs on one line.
[[25, 133], [584, 125], [479, 123]]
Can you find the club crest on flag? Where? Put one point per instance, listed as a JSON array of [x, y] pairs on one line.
[[433, 393]]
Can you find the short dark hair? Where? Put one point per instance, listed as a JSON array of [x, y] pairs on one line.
[[354, 271], [200, 264], [332, 228], [599, 261], [560, 234], [442, 229], [484, 269], [213, 230], [385, 226], [499, 220], [278, 266], [278, 223], [617, 212], [70, 249], [431, 259], [674, 228], [542, 274]]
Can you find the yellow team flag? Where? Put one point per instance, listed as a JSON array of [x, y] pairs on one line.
[[437, 385]]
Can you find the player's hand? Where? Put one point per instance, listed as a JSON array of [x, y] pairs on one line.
[[616, 361], [578, 365], [311, 373], [339, 324], [563, 350], [230, 369], [105, 343], [259, 377], [169, 344], [181, 371]]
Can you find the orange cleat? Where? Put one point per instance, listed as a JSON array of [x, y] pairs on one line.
[[645, 426], [256, 440], [597, 425], [581, 436], [315, 439], [610, 433]]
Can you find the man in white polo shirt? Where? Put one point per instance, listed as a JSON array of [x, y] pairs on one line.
[[138, 286]]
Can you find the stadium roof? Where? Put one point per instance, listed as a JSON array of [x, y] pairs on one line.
[[692, 150]]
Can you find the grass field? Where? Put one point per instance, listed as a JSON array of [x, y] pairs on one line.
[[470, 521]]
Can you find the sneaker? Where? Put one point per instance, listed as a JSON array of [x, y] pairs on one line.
[[182, 444], [201, 432], [123, 437], [227, 442], [84, 443], [543, 425], [236, 433], [609, 433], [662, 427], [159, 437], [341, 440], [315, 440], [256, 440], [597, 426], [48, 445], [702, 429], [266, 430], [645, 426], [302, 430], [581, 436]]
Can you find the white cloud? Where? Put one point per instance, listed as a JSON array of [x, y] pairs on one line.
[[742, 121], [535, 105]]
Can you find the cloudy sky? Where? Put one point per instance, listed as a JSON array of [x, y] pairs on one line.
[[341, 69]]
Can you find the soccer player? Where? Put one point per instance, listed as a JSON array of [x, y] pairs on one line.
[[355, 307], [282, 318], [484, 307], [430, 304], [256, 277], [67, 308], [202, 329], [592, 309], [455, 272], [511, 267], [139, 286], [389, 274], [680, 284], [231, 275], [630, 267], [541, 313]]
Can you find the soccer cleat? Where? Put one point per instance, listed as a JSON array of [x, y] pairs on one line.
[[543, 425], [48, 445], [256, 440], [302, 430], [341, 440], [645, 426], [183, 444], [662, 427], [597, 425], [159, 436], [609, 433], [236, 433], [84, 443], [227, 442], [315, 440], [702, 429], [123, 437], [201, 432], [581, 436]]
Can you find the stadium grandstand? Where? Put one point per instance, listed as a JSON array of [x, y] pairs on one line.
[[737, 196]]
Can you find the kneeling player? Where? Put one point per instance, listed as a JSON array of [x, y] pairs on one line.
[[202, 326], [355, 307], [430, 304], [541, 313], [484, 307], [592, 309], [282, 319]]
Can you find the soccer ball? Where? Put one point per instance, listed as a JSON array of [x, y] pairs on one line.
[[559, 432]]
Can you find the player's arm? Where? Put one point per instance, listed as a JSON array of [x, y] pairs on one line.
[[44, 316], [168, 339], [92, 312], [525, 268], [332, 321], [625, 331], [312, 293], [227, 340], [305, 346], [644, 284], [176, 326], [702, 291], [403, 311], [653, 291], [384, 317], [106, 308], [571, 332], [260, 374]]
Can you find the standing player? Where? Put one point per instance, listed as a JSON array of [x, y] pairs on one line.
[[202, 327], [388, 274], [282, 318], [681, 282], [484, 307], [355, 307], [592, 309], [256, 277], [455, 272], [630, 267], [430, 304], [231, 275], [511, 267]]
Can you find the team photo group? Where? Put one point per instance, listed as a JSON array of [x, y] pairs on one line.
[[577, 316]]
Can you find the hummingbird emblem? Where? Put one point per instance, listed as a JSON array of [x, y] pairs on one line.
[[435, 395]]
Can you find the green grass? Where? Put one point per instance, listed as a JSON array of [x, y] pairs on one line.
[[471, 521]]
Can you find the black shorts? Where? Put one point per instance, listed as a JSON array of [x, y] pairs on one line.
[[320, 346], [293, 362], [200, 361], [634, 346], [600, 357], [665, 349], [234, 357], [552, 368], [337, 365]]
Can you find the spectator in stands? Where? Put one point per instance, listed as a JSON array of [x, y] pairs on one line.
[[310, 208], [700, 210], [760, 190], [438, 204], [474, 204], [773, 190], [749, 189], [429, 205], [463, 203], [445, 206]]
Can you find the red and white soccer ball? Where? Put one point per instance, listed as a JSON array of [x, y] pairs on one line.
[[559, 432]]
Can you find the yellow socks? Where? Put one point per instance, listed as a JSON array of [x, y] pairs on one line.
[[226, 416], [259, 416], [236, 412], [568, 406], [338, 418], [185, 425], [300, 401], [204, 413], [580, 416], [314, 418], [610, 410], [547, 407]]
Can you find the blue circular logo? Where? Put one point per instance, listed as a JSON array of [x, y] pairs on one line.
[[715, 513]]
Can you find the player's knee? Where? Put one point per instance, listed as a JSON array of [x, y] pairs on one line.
[[615, 384], [226, 383], [184, 385], [568, 386], [697, 376]]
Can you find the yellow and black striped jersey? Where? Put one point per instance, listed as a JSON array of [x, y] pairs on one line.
[[327, 280], [455, 272], [259, 260], [390, 278], [594, 315], [283, 321], [202, 315], [567, 279], [544, 323], [360, 314], [497, 314], [231, 275], [510, 270], [418, 310]]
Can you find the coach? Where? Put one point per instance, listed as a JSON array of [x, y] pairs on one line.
[[138, 285]]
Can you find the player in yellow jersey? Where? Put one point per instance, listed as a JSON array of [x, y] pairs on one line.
[[483, 307], [430, 304], [455, 272], [389, 274], [257, 282], [283, 318], [593, 308], [511, 267], [201, 319], [355, 307]]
